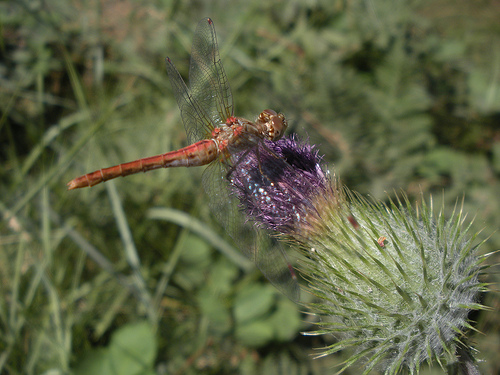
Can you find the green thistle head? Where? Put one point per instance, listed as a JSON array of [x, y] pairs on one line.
[[393, 282]]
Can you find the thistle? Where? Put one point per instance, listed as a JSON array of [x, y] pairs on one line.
[[275, 185], [392, 283]]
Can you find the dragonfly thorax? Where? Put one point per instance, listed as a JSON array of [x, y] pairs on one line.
[[238, 134]]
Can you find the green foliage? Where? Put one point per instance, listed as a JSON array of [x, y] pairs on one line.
[[396, 95], [259, 319], [131, 351]]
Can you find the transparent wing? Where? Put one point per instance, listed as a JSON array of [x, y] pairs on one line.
[[207, 103], [255, 243], [196, 120], [207, 79]]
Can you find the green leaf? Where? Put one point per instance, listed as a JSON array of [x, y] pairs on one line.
[[195, 250], [255, 334], [195, 259], [132, 351], [450, 50], [253, 302], [218, 314], [484, 90], [286, 320], [222, 275], [133, 348]]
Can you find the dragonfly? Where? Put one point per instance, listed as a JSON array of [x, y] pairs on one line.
[[222, 141]]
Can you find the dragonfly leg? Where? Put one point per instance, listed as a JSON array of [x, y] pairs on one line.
[[233, 167], [278, 158]]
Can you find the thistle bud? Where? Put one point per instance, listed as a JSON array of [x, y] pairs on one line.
[[393, 283]]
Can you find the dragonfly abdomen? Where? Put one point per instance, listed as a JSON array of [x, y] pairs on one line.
[[199, 153]]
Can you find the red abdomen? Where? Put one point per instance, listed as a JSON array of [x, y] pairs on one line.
[[199, 153]]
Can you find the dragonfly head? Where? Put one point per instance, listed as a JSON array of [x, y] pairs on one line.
[[274, 124]]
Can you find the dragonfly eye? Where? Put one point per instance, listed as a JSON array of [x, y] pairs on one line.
[[275, 124], [267, 114], [278, 126]]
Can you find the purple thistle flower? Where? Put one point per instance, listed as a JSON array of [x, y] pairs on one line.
[[277, 183]]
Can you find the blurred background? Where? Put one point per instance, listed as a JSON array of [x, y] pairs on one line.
[[135, 276]]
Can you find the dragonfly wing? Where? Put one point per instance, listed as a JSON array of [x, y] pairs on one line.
[[196, 120], [255, 243], [207, 80], [270, 257]]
